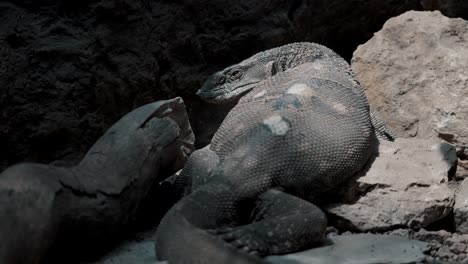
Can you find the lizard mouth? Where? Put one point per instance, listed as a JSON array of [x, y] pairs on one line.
[[226, 96]]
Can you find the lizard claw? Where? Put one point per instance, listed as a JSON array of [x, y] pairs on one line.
[[225, 234], [241, 239]]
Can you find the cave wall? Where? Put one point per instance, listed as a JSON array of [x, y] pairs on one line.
[[69, 69]]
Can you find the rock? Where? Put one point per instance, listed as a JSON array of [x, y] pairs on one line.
[[440, 236], [460, 209], [414, 73], [29, 213], [362, 249], [406, 185], [444, 246], [61, 209], [458, 246], [462, 170]]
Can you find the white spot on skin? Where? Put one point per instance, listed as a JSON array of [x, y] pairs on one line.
[[340, 108], [260, 94], [317, 66], [277, 125], [300, 89]]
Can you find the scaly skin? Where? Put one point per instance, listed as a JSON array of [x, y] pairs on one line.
[[301, 126]]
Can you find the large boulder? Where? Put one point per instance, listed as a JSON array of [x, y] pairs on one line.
[[414, 73], [405, 186], [82, 208]]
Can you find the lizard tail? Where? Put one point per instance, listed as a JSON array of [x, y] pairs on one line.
[[180, 241]]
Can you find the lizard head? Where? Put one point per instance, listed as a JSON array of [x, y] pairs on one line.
[[230, 84]]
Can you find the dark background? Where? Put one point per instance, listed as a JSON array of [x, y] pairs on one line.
[[70, 69]]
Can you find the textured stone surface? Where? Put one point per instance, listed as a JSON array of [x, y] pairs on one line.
[[443, 245], [462, 169], [461, 208], [359, 249], [406, 186], [414, 72], [70, 69]]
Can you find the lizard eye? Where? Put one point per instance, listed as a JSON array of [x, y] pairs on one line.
[[235, 74]]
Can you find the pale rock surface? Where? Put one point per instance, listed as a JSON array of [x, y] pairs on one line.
[[462, 170], [406, 186], [460, 209], [415, 73]]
